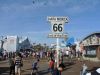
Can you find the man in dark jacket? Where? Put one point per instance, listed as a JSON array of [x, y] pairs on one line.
[[11, 66]]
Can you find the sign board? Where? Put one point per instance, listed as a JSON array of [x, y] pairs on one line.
[[57, 19], [57, 27], [57, 35]]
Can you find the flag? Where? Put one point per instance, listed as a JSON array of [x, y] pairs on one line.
[[70, 41]]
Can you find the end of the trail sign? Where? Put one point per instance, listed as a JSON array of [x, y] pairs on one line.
[[57, 35]]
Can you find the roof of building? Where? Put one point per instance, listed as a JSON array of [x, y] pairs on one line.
[[94, 33]]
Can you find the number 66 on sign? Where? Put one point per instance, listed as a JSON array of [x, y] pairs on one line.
[[57, 27]]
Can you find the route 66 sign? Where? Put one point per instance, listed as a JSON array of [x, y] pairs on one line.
[[57, 23], [57, 27]]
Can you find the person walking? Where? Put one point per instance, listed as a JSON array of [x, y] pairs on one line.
[[51, 55], [51, 66], [18, 64], [35, 67], [11, 66]]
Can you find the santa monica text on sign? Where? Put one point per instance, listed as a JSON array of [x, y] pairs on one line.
[[65, 19]]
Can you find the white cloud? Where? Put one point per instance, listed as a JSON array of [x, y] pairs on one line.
[[5, 8], [69, 5], [82, 5], [16, 7], [66, 2]]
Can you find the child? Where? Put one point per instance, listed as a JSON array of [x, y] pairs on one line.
[[35, 67]]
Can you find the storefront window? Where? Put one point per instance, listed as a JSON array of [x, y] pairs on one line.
[[91, 51]]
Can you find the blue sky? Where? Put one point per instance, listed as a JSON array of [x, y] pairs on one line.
[[29, 18]]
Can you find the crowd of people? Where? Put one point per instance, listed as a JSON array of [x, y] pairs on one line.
[[5, 55], [16, 59], [15, 64]]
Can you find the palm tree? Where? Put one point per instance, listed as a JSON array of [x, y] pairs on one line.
[[45, 46]]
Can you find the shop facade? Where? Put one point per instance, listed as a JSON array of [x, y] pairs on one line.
[[91, 45]]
